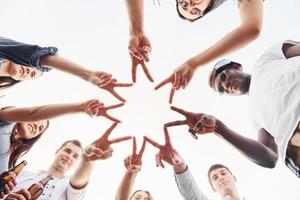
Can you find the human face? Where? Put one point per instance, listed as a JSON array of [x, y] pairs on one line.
[[231, 81], [222, 181], [140, 195], [29, 130], [21, 73], [67, 157], [192, 9]]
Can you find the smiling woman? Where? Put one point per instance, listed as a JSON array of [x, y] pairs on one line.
[[20, 128]]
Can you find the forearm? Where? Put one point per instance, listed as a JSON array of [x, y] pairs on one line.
[[232, 42], [135, 9], [188, 187], [126, 185], [38, 113], [82, 174], [65, 65], [252, 149]]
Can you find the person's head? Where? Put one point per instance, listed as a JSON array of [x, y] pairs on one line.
[[221, 179], [24, 136], [16, 73], [227, 77], [193, 9], [67, 155], [141, 195]]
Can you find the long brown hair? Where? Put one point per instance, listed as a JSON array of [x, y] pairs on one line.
[[19, 147], [6, 82]]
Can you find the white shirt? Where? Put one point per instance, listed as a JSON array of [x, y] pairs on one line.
[[56, 189], [274, 96]]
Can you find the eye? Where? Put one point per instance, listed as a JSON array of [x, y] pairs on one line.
[[183, 4], [75, 156], [196, 11], [32, 74], [41, 128], [223, 77]]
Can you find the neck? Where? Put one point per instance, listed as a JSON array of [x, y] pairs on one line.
[[56, 172], [231, 196]]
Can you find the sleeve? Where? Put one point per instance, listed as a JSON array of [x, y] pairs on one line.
[[2, 122], [188, 187], [75, 194], [25, 54]]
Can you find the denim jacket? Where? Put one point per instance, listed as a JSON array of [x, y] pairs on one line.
[[24, 54]]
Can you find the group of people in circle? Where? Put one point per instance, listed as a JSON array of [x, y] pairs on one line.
[[275, 76]]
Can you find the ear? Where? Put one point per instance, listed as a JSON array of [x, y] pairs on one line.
[[237, 66]]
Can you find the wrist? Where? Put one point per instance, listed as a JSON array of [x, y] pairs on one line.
[[192, 64], [178, 169], [136, 32], [219, 129]]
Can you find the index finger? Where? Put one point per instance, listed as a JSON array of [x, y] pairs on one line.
[[172, 92], [114, 106], [133, 145], [179, 110], [164, 82], [152, 142], [109, 130], [175, 123], [167, 136], [120, 139], [142, 148], [123, 84]]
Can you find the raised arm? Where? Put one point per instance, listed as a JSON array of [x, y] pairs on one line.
[[133, 164]]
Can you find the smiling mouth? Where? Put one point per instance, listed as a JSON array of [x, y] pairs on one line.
[[22, 71]]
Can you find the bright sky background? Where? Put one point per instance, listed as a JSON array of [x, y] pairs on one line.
[[94, 33]]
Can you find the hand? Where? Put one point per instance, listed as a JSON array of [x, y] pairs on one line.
[[95, 107], [103, 143], [110, 87], [198, 123], [133, 162], [7, 189], [22, 194], [99, 78], [166, 152], [139, 49], [93, 153], [180, 78]]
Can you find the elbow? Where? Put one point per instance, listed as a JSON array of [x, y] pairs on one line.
[[251, 31], [269, 163], [254, 31]]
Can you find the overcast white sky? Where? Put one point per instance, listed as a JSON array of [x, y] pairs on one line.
[[94, 33]]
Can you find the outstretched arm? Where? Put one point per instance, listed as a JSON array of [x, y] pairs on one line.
[[135, 10], [91, 107], [263, 152], [251, 14], [139, 46]]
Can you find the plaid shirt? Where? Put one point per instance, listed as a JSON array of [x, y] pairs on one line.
[[292, 166]]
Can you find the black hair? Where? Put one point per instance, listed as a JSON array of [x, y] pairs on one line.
[[207, 10]]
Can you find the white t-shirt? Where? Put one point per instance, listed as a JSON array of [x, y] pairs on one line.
[[274, 95], [56, 189]]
